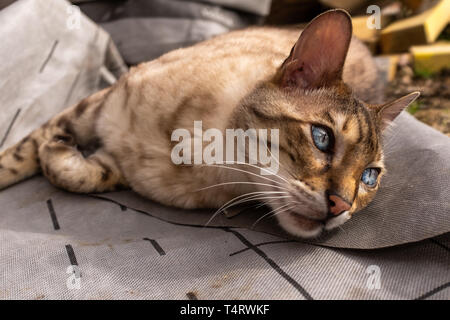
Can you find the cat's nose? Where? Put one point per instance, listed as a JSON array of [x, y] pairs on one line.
[[337, 205]]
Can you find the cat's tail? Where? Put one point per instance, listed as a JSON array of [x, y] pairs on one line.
[[22, 160]]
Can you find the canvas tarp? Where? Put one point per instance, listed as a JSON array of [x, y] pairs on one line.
[[124, 246]]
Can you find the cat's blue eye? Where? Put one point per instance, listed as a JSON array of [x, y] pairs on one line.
[[322, 137], [370, 176]]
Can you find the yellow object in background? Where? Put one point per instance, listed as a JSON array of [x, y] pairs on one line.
[[420, 29], [431, 58]]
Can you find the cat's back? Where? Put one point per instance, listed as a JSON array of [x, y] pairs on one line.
[[232, 63], [226, 66]]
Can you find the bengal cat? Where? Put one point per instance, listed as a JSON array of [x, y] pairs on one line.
[[330, 126]]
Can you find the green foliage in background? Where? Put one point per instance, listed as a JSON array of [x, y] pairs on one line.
[[414, 107]]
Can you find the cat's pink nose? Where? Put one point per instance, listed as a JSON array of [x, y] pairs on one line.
[[337, 205]]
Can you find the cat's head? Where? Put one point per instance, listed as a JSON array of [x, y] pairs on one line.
[[330, 150]]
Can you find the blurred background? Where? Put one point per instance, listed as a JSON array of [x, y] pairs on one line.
[[410, 38]]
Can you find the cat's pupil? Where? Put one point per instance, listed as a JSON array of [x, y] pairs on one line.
[[321, 138], [369, 176]]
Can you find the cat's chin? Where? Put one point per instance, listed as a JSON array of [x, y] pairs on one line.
[[300, 226]]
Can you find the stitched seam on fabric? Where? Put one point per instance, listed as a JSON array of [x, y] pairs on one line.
[[272, 263], [433, 292], [52, 212], [10, 127]]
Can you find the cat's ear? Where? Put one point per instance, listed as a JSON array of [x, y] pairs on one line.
[[389, 111], [318, 57]]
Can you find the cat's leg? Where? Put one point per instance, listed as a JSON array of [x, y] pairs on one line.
[[66, 167], [77, 123]]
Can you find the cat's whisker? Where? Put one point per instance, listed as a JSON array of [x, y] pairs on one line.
[[245, 196], [266, 202], [241, 170], [275, 212], [262, 204], [340, 227], [298, 201], [261, 168], [265, 215], [302, 203], [251, 198], [273, 157], [241, 182], [280, 164]]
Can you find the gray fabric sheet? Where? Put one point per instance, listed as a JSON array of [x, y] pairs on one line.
[[47, 66], [146, 29], [126, 247], [124, 254]]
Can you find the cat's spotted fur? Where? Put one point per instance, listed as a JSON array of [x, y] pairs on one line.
[[244, 79]]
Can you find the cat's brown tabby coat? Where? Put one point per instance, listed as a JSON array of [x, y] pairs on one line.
[[330, 152]]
